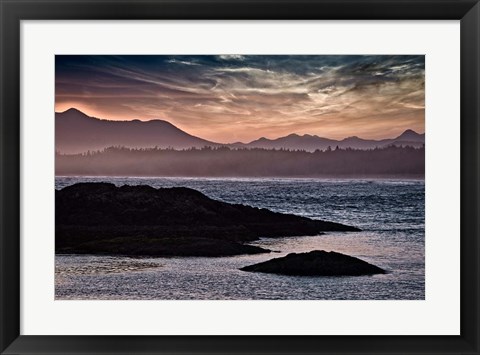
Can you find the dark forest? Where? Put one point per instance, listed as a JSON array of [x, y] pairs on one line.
[[226, 162]]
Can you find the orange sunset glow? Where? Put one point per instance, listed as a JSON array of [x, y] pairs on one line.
[[230, 98]]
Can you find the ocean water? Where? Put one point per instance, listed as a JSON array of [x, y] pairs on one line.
[[391, 214]]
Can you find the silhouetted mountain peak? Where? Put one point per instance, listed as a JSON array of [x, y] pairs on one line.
[[76, 132], [158, 122], [352, 138], [409, 132], [74, 116], [73, 110], [410, 135], [73, 113]]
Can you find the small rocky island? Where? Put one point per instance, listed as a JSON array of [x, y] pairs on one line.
[[101, 218], [316, 263]]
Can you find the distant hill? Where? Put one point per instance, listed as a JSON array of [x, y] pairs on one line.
[[311, 143], [75, 132]]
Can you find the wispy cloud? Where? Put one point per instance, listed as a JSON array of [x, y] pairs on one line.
[[234, 97], [231, 57]]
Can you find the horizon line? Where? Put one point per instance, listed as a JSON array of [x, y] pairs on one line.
[[237, 142]]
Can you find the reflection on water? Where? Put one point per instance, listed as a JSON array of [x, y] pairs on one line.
[[390, 213], [104, 265]]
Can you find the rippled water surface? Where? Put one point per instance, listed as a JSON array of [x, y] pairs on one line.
[[389, 212]]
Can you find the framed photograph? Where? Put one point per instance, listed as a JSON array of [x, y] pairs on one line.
[[239, 177]]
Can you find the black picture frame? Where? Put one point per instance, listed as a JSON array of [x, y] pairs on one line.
[[14, 11]]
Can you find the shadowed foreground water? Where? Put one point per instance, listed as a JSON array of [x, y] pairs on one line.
[[390, 213]]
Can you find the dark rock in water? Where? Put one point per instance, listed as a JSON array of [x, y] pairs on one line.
[[146, 246], [87, 215], [316, 263]]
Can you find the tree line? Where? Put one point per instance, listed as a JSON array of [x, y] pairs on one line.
[[243, 162]]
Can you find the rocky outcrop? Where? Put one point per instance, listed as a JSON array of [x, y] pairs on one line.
[[142, 220], [316, 263], [147, 246]]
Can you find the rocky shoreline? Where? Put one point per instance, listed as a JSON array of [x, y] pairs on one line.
[[101, 218]]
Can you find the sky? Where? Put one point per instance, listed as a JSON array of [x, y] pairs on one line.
[[231, 98]]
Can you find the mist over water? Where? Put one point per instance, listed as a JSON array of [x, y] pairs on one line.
[[389, 212]]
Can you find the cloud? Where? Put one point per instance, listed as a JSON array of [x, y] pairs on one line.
[[231, 57], [235, 97], [181, 62]]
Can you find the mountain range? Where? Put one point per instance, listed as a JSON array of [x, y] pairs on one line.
[[311, 143], [76, 132]]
